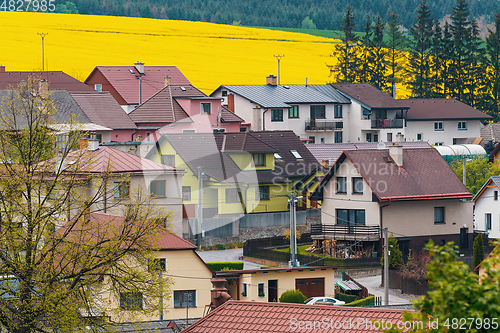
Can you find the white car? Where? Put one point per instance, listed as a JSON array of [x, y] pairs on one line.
[[313, 300]]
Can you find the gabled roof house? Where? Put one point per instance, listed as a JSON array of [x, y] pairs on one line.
[[412, 192], [486, 208], [57, 80], [132, 85], [443, 121]]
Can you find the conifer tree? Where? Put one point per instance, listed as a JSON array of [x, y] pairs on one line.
[[493, 51], [478, 247], [347, 52], [377, 57], [437, 62], [395, 44], [419, 67]]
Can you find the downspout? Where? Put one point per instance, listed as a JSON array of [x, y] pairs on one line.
[[264, 119], [238, 289], [132, 137], [105, 195]]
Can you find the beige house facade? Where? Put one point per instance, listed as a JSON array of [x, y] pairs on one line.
[[412, 192]]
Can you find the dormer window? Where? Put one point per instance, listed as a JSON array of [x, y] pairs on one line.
[[259, 160], [296, 154]]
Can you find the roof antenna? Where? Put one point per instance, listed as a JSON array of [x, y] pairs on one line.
[[306, 81]]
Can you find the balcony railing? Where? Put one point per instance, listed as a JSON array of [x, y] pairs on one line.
[[387, 123], [324, 125], [345, 232]]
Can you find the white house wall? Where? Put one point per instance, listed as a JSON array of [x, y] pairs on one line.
[[486, 203], [446, 136]]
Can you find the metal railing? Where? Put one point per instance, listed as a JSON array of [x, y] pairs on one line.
[[344, 231], [387, 123], [323, 125]]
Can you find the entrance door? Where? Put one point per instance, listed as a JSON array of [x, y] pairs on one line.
[[464, 238], [312, 287], [272, 290]]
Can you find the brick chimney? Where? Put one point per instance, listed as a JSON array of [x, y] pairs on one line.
[[167, 80], [2, 68], [396, 153], [272, 80], [218, 293], [93, 142], [326, 164], [400, 137], [43, 88]]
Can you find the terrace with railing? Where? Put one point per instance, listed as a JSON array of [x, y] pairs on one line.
[[345, 232], [387, 123], [323, 125]]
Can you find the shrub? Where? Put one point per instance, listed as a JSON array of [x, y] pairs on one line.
[[220, 247], [346, 298], [221, 266], [478, 251], [292, 296], [363, 302]]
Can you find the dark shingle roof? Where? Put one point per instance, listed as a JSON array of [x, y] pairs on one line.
[[268, 96], [250, 317], [424, 175], [127, 84], [56, 79], [227, 116], [370, 96], [102, 109], [329, 90], [332, 151], [242, 142], [442, 109]]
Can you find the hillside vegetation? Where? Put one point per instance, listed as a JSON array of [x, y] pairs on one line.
[[208, 54], [326, 15]]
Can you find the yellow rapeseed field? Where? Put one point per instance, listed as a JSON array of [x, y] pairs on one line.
[[208, 54]]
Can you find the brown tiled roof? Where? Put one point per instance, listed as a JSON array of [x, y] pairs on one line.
[[246, 317], [370, 96], [332, 151], [57, 80], [127, 84], [441, 109], [112, 160], [102, 109], [424, 175], [162, 108], [229, 117]]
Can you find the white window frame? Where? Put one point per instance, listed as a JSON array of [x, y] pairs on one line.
[[244, 288], [421, 136], [438, 126], [462, 125], [98, 87]]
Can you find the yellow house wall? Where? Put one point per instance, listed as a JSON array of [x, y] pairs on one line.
[[286, 281], [183, 263]]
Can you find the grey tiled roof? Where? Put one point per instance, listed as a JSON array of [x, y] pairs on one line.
[[281, 96], [328, 90]]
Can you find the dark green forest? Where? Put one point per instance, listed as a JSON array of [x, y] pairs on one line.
[[326, 15]]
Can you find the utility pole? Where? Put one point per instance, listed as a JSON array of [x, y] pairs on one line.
[[279, 58], [200, 204], [140, 68], [386, 266], [293, 236], [464, 168], [43, 34], [160, 273], [187, 298]]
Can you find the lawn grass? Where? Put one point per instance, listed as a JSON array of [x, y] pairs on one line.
[[302, 251]]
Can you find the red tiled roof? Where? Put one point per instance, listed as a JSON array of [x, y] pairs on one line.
[[57, 80], [370, 96], [246, 317], [116, 161], [162, 106], [424, 175], [127, 84], [102, 109], [434, 109]]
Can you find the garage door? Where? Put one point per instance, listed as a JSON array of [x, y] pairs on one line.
[[312, 287]]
